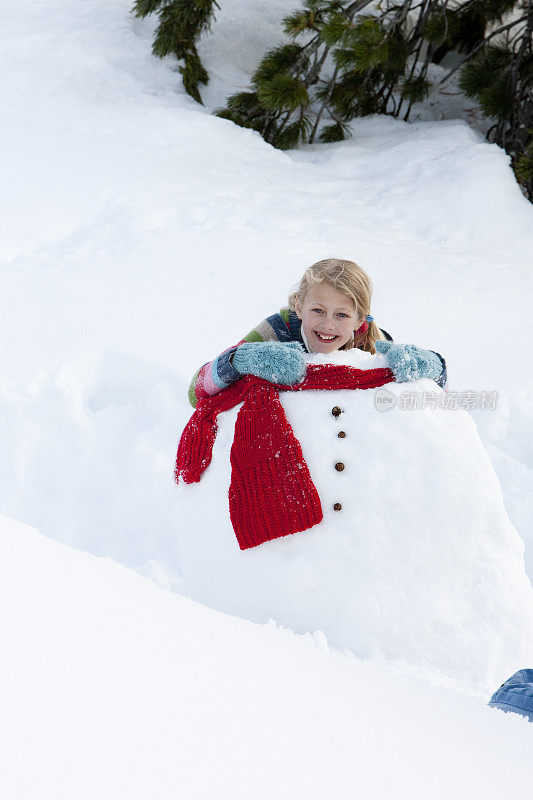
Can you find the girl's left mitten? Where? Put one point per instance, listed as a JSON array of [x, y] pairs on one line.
[[410, 363]]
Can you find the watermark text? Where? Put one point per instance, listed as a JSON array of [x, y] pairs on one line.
[[468, 400]]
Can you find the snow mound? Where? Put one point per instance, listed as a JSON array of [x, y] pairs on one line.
[[112, 687], [421, 563]]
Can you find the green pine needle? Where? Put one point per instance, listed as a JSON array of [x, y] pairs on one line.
[[180, 24], [334, 133], [415, 89], [441, 27], [496, 100], [479, 73], [368, 41], [233, 116], [316, 5], [294, 24], [244, 103], [283, 92], [523, 166], [335, 29], [193, 73], [398, 53], [368, 104], [141, 8], [277, 60], [292, 134]]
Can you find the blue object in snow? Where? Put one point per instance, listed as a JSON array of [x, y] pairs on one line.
[[277, 362], [409, 362], [516, 694]]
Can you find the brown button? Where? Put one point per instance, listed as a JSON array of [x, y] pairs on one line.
[[339, 466], [337, 506], [341, 435], [336, 411]]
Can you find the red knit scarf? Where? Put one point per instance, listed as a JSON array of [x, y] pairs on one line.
[[271, 492]]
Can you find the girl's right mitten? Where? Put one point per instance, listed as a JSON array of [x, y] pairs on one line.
[[277, 362]]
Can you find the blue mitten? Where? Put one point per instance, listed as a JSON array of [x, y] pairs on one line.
[[410, 363], [277, 362]]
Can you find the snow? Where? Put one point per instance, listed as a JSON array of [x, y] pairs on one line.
[[114, 687], [140, 236], [421, 564]]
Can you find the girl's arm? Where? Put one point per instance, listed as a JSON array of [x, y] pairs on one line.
[[216, 375], [410, 363], [442, 379]]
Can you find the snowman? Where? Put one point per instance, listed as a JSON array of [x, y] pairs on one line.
[[403, 549]]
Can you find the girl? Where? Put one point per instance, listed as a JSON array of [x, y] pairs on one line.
[[329, 310]]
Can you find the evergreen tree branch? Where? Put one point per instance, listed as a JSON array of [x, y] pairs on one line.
[[381, 52], [480, 45], [323, 106]]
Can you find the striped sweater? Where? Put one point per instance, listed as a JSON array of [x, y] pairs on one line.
[[284, 326]]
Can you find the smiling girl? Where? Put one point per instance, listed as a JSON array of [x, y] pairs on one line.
[[328, 311]]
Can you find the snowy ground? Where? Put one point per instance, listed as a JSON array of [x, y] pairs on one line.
[[117, 688], [139, 237], [422, 564]]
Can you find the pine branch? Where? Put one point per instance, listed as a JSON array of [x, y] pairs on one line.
[[480, 45], [422, 19], [323, 106], [181, 23]]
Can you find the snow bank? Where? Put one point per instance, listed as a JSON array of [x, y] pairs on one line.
[[141, 236], [88, 454], [112, 688], [421, 564]]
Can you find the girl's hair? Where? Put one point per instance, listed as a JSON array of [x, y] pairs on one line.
[[349, 279]]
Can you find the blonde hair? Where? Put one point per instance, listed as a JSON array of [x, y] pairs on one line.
[[348, 278]]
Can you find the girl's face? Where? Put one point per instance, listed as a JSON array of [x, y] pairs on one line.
[[328, 318]]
